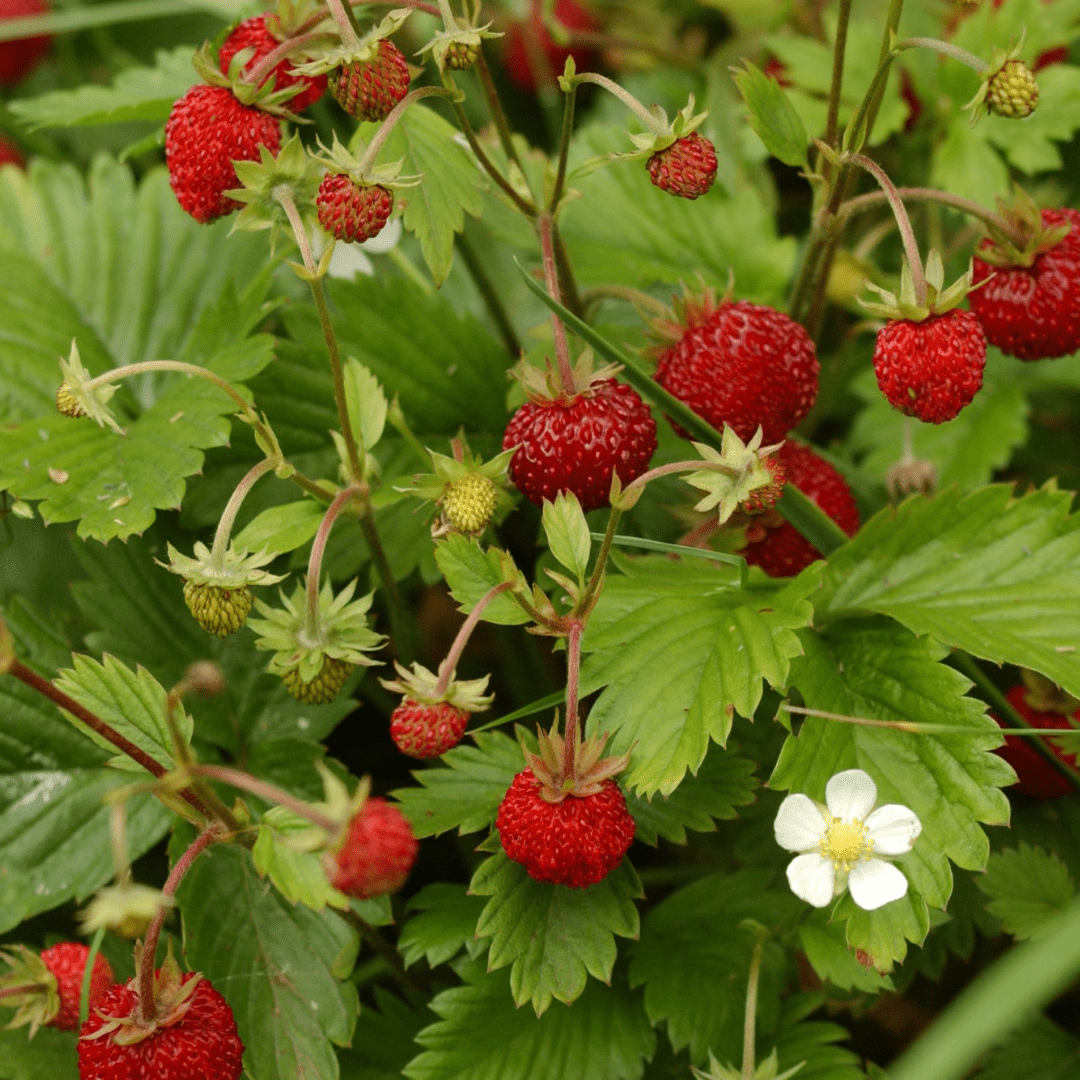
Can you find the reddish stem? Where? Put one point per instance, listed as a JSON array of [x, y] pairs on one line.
[[446, 668], [318, 548], [254, 75], [551, 279], [147, 1004], [265, 790], [95, 723], [573, 669]]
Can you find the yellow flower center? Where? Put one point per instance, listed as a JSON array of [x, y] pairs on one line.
[[845, 843]]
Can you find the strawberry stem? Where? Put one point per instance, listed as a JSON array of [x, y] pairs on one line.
[[569, 100], [551, 279], [267, 791], [147, 1004], [749, 1070], [573, 670], [395, 114], [647, 118], [318, 549], [446, 668], [88, 972], [232, 508], [344, 22], [946, 49], [597, 575], [836, 85], [254, 75], [498, 114]]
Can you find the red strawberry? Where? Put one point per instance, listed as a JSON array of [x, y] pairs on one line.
[[369, 89], [1033, 312], [576, 443], [575, 842], [686, 168], [207, 130], [19, 57], [378, 852], [424, 731], [519, 66], [254, 34], [739, 364], [1036, 777], [10, 154], [782, 551], [45, 989], [351, 211], [197, 1038], [931, 369]]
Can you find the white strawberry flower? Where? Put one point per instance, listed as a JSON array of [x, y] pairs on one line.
[[839, 843]]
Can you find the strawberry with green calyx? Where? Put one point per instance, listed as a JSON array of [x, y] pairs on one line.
[[368, 75], [682, 162], [1008, 87], [747, 476], [76, 396], [457, 46], [44, 988], [356, 196], [468, 492]]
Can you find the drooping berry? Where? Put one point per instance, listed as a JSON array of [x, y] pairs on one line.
[[369, 89], [1033, 312], [352, 212], [218, 611], [426, 731], [324, 687], [207, 130], [197, 1038], [1013, 91], [67, 961], [519, 63], [254, 34], [576, 444], [931, 369], [686, 168], [740, 364], [378, 852], [45, 989], [780, 550], [576, 842], [19, 57]]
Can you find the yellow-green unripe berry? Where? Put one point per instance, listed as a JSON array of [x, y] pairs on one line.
[[469, 503], [1013, 91], [66, 403], [219, 611], [461, 57], [322, 689]]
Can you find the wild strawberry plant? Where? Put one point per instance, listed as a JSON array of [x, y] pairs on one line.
[[711, 655]]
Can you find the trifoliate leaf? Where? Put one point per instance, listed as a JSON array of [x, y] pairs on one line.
[[986, 572], [471, 572], [553, 935], [1027, 888], [679, 652], [446, 923]]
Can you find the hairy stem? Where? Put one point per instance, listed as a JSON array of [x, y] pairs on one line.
[[318, 549], [573, 672], [544, 227], [446, 668], [392, 117], [498, 114], [567, 283], [283, 195], [564, 146], [266, 791], [255, 74], [232, 508], [597, 575], [750, 1017], [650, 121], [836, 86], [344, 22]]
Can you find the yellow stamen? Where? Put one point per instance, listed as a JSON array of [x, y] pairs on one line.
[[844, 843]]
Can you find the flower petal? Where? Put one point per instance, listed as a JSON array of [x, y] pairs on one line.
[[874, 882], [850, 794], [812, 879], [893, 828], [799, 824]]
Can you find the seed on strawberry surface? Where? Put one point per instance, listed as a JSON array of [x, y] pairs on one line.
[[1013, 91], [377, 854], [218, 611], [426, 731], [324, 687], [686, 168], [254, 34], [369, 89], [207, 130], [469, 503], [931, 369], [352, 212]]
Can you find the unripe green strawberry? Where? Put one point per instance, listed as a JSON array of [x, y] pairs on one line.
[[324, 687], [217, 610], [461, 57], [369, 89], [469, 503], [67, 403], [1013, 91]]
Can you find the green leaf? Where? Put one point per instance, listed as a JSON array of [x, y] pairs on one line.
[[466, 795], [724, 780], [1028, 889], [553, 935], [470, 573], [282, 528], [694, 958], [445, 924], [383, 1041], [442, 366], [625, 231], [1040, 1051], [679, 652], [137, 93], [813, 1042], [986, 572], [771, 115], [50, 1053], [129, 276], [297, 874], [825, 945], [567, 532], [481, 1036], [132, 703], [966, 451], [876, 669], [966, 164], [436, 209], [366, 403], [278, 966]]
